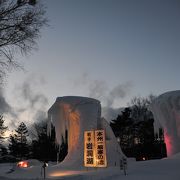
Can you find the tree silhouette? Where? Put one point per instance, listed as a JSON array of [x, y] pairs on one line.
[[134, 127], [3, 128], [13, 146], [20, 24], [122, 127], [18, 142], [43, 141]]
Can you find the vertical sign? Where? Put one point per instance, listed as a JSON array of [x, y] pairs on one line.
[[89, 156], [100, 148]]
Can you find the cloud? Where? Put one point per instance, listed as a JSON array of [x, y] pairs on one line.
[[111, 113], [31, 105], [100, 90], [97, 89], [4, 106], [7, 110], [32, 102], [118, 92], [30, 96]]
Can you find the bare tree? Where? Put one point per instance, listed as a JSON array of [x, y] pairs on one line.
[[20, 25], [140, 108]]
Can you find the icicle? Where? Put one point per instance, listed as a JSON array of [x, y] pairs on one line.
[[60, 122], [49, 124]]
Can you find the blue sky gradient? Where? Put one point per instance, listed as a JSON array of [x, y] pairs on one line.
[[97, 45]]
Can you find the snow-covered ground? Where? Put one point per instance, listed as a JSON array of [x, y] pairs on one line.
[[165, 169]]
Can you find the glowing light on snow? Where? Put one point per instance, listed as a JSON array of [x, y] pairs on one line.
[[23, 164], [65, 173], [168, 142]]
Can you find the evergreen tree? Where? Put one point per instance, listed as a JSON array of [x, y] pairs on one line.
[[3, 151], [134, 126], [18, 142], [3, 129], [122, 127], [13, 146], [43, 141], [21, 135]]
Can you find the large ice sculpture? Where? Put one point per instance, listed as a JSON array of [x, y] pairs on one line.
[[76, 115], [166, 111]]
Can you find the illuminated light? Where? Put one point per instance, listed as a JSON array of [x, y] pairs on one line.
[[74, 130], [65, 173], [89, 151], [95, 149], [23, 164], [74, 127], [100, 148], [168, 143], [143, 158]]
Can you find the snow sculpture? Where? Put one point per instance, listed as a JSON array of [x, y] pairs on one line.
[[166, 111], [76, 115]]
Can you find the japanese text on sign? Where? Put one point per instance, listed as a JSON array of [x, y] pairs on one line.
[[100, 149], [89, 159], [94, 149]]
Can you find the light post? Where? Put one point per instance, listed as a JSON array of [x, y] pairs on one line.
[[44, 168]]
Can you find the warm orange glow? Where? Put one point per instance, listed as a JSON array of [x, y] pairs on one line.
[[23, 164], [65, 173], [94, 149], [89, 151], [73, 131], [100, 148], [168, 143], [74, 126]]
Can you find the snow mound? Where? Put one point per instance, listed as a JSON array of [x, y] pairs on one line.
[[176, 156], [34, 162]]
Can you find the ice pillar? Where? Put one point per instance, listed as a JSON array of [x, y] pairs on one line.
[[76, 115], [166, 111]]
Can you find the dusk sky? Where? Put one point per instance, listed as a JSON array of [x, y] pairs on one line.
[[111, 50]]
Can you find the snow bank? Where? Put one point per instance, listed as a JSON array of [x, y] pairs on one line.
[[176, 156], [164, 169]]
